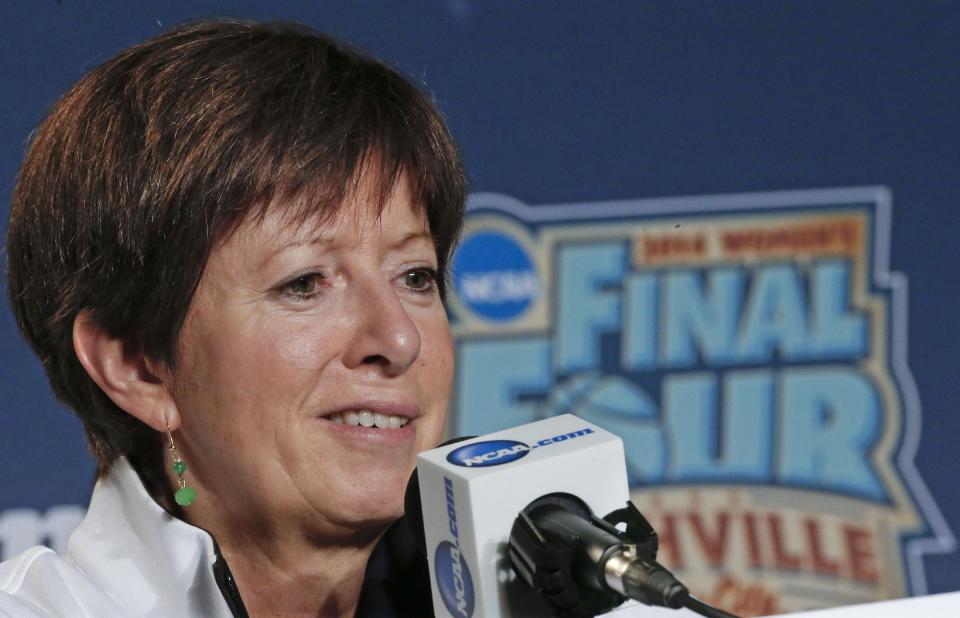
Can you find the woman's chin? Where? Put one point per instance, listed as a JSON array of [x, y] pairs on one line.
[[367, 522], [365, 504]]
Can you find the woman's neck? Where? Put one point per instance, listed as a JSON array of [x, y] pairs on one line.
[[286, 570], [298, 581]]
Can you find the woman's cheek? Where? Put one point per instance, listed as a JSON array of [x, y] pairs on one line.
[[438, 342], [298, 350], [436, 362]]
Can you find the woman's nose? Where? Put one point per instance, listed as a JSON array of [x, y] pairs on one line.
[[385, 336]]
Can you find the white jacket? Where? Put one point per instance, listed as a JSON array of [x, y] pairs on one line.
[[128, 558]]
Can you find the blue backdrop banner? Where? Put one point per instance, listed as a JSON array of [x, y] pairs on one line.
[[751, 352]]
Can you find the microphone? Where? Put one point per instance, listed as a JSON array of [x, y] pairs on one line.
[[510, 530], [557, 542]]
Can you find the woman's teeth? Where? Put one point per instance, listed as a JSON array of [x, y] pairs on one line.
[[366, 418]]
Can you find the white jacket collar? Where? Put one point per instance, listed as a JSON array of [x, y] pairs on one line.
[[148, 561]]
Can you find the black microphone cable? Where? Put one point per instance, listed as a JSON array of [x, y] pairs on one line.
[[696, 605], [650, 583]]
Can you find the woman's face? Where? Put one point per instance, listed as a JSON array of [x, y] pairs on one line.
[[295, 335]]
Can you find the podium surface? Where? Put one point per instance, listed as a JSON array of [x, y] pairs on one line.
[[933, 606]]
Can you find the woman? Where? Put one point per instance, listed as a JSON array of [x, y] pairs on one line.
[[227, 245]]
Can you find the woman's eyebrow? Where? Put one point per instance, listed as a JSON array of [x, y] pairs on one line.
[[324, 240], [292, 244], [412, 237]]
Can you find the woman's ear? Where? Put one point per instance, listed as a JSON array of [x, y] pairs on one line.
[[125, 373]]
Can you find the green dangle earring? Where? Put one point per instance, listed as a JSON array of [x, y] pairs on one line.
[[185, 495]]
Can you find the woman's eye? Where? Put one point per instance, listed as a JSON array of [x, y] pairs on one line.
[[420, 279], [302, 287]]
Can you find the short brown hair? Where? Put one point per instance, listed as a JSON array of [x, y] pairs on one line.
[[159, 153]]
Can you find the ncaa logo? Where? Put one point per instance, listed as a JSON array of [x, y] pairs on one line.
[[488, 453], [494, 276], [453, 580], [450, 570]]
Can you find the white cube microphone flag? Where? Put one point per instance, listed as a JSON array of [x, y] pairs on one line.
[[472, 492], [514, 526]]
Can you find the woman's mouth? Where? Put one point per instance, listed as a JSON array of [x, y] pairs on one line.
[[368, 418]]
